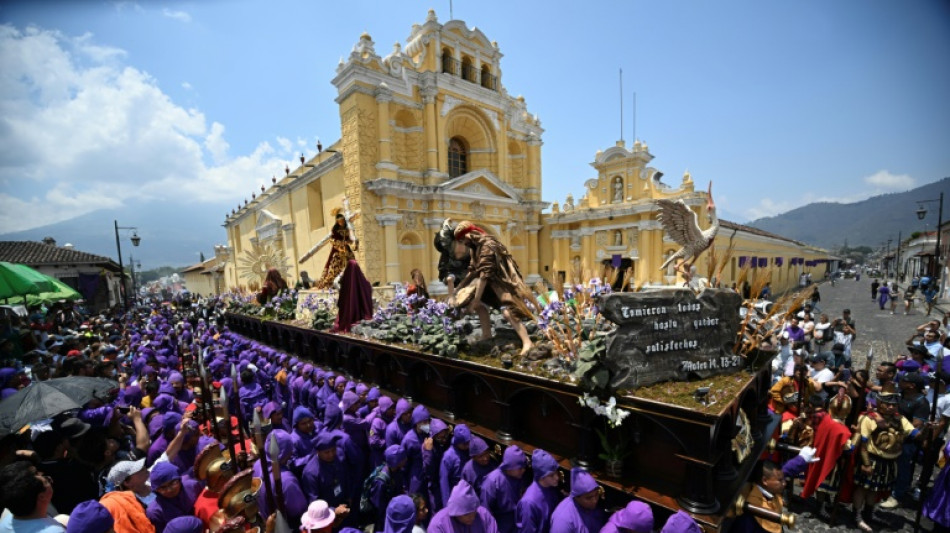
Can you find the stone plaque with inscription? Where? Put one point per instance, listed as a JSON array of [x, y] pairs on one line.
[[671, 334]]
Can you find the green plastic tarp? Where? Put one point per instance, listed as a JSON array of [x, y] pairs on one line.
[[20, 280]]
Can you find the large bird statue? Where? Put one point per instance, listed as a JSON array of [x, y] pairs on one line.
[[682, 225]]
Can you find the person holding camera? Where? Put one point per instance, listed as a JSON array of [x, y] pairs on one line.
[[845, 332]]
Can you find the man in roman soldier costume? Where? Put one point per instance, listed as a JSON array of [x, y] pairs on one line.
[[493, 279], [831, 439], [880, 440]]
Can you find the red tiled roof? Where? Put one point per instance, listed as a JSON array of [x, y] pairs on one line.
[[32, 253], [204, 266]]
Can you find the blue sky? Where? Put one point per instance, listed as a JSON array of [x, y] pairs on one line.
[[185, 106]]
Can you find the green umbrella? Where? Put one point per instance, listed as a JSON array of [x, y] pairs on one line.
[[61, 292], [20, 280]]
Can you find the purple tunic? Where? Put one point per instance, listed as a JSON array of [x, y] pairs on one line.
[[251, 396], [450, 471], [163, 510], [377, 441], [328, 482], [295, 385], [533, 514], [303, 442], [884, 293], [500, 494], [937, 507], [294, 500], [475, 473], [358, 430], [568, 517], [414, 471], [443, 523], [431, 461], [395, 432], [156, 450]]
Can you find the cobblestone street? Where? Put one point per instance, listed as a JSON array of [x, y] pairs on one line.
[[886, 335]]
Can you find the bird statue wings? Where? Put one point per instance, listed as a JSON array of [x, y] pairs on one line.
[[682, 225]]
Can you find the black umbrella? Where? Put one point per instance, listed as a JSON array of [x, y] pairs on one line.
[[46, 399]]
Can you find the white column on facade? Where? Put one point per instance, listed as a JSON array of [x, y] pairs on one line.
[[534, 274], [391, 249]]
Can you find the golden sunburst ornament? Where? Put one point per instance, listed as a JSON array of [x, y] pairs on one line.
[[256, 261]]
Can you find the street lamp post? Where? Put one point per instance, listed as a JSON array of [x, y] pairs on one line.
[[887, 260], [133, 265], [118, 247], [921, 213], [897, 261]]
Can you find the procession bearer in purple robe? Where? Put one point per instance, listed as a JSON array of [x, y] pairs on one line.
[[463, 514], [636, 517], [412, 443], [533, 513], [480, 464], [450, 471], [402, 423], [432, 459], [502, 488], [385, 413], [294, 500], [580, 512]]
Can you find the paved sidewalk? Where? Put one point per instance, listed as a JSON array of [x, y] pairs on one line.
[[886, 334]]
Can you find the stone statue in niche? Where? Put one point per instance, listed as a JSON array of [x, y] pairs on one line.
[[618, 189], [618, 238]]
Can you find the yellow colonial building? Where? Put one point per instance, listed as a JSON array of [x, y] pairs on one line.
[[429, 132], [615, 225]]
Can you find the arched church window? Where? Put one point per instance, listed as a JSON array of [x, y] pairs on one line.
[[488, 80], [448, 62], [458, 157], [468, 70]]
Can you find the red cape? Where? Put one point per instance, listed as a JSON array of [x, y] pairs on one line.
[[830, 436]]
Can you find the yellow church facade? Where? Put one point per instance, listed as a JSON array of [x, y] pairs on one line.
[[428, 132]]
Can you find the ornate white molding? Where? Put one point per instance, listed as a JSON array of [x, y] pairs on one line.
[[449, 103], [388, 220]]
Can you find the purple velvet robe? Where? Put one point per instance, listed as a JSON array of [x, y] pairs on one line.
[[163, 510], [414, 471], [500, 494], [533, 513], [450, 471], [395, 432], [303, 443], [329, 482], [568, 517], [431, 461], [443, 523], [937, 507], [475, 473], [156, 450], [377, 441], [294, 500]]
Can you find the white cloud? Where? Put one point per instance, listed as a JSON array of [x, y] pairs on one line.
[[883, 179], [768, 207], [185, 85], [177, 15], [92, 133]]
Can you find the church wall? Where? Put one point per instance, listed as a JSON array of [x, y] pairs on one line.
[[398, 114]]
